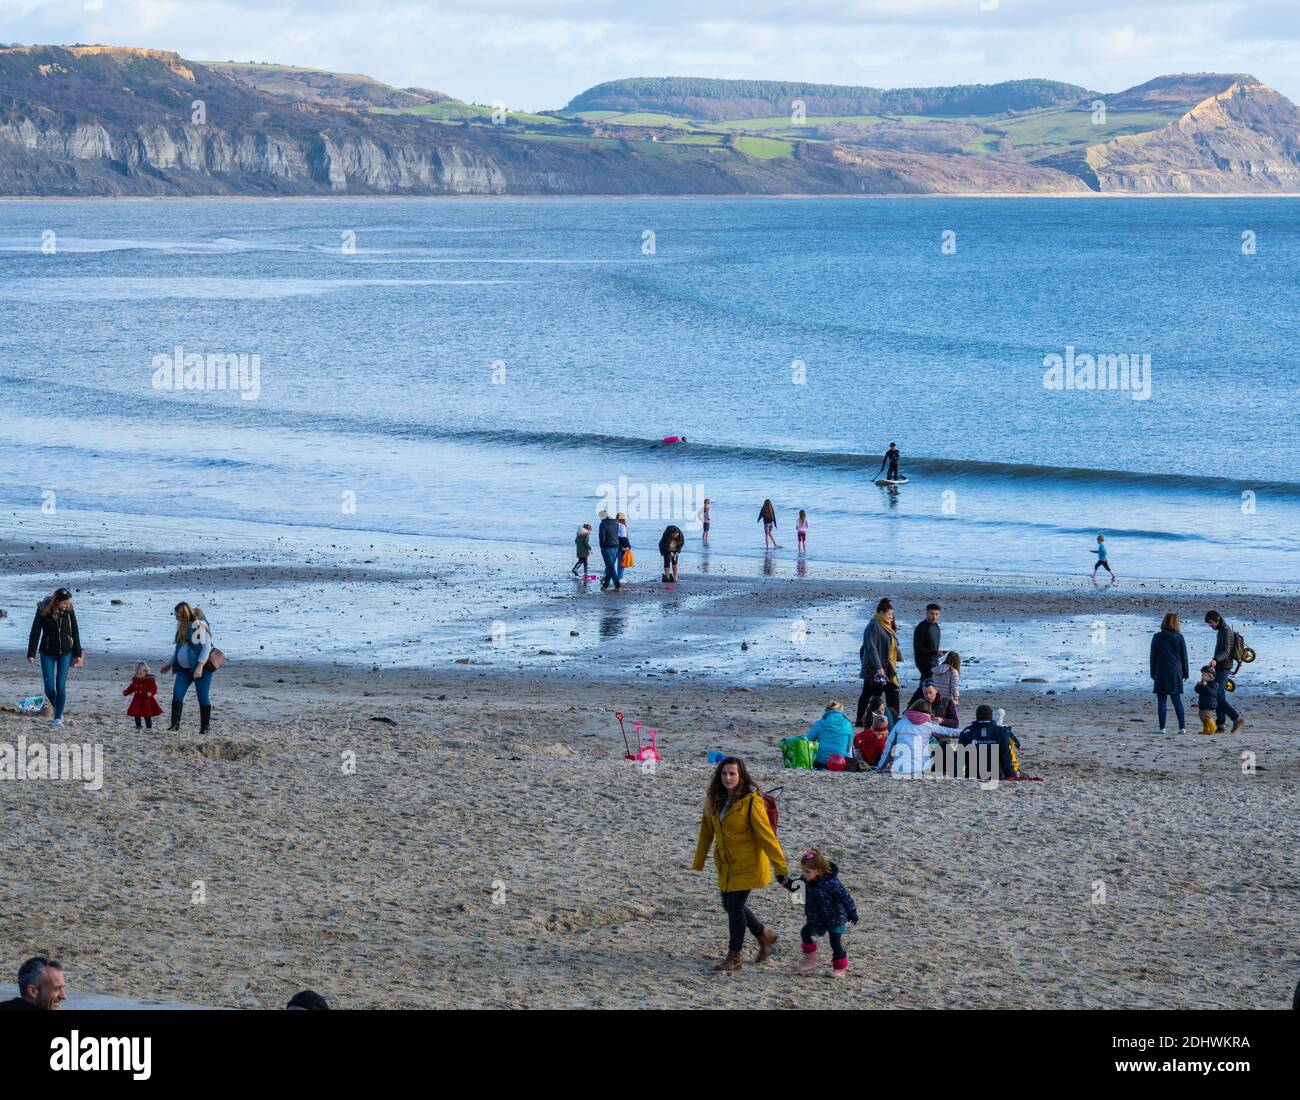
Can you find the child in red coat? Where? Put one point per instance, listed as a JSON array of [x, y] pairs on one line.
[[142, 691]]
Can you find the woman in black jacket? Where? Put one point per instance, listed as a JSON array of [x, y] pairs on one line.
[[1169, 669], [54, 632], [670, 546]]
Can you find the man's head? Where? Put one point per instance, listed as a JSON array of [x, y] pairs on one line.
[[932, 611], [40, 982], [308, 1000], [984, 713], [1213, 618]]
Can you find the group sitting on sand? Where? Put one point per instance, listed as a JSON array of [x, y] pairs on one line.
[[901, 743]]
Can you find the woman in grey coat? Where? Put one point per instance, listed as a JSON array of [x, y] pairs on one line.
[[879, 654]]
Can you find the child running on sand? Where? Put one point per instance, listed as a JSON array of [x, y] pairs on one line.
[[801, 530], [142, 689], [582, 541], [828, 911], [1102, 563], [1207, 699]]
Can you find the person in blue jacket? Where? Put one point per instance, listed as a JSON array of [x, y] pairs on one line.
[[833, 733]]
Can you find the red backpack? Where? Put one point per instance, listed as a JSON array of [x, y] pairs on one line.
[[772, 813]]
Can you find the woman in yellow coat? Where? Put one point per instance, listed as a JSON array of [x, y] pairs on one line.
[[745, 850]]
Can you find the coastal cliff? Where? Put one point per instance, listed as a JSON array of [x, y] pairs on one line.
[[114, 121]]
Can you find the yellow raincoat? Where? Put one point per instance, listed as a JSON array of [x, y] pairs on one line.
[[745, 848]]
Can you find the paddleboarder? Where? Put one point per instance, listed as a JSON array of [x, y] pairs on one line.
[[891, 460]]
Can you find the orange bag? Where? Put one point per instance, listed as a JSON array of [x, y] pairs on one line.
[[628, 560]]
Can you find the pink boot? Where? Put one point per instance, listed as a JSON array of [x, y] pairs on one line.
[[839, 966], [809, 957]]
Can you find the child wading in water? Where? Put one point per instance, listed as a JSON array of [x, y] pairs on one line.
[[1102, 563], [705, 516], [582, 543], [767, 517], [828, 910], [142, 689], [801, 530]]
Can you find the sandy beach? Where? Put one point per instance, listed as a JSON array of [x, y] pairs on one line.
[[488, 846]]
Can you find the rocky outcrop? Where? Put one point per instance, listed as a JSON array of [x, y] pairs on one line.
[[1243, 139]]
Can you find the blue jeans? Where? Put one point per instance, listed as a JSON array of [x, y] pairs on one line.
[[202, 686], [1225, 709], [1178, 710], [613, 571], [54, 671]]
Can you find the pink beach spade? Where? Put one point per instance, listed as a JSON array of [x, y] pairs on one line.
[[643, 752], [650, 751]]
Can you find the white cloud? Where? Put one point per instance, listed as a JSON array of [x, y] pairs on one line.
[[540, 53]]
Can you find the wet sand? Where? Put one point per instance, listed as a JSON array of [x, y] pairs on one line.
[[492, 848]]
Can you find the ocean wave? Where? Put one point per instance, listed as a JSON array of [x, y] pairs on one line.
[[220, 245], [918, 467], [92, 289], [850, 462]]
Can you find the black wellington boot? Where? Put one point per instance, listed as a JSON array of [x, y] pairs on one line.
[[205, 719], [176, 716]]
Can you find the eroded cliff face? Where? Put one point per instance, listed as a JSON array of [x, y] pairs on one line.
[[187, 159], [118, 121], [1246, 138]]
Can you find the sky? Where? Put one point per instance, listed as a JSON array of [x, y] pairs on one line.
[[535, 55]]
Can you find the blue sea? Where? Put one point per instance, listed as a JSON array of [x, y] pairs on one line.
[[495, 370]]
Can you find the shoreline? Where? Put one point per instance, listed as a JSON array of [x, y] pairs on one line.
[[744, 620], [1086, 194]]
